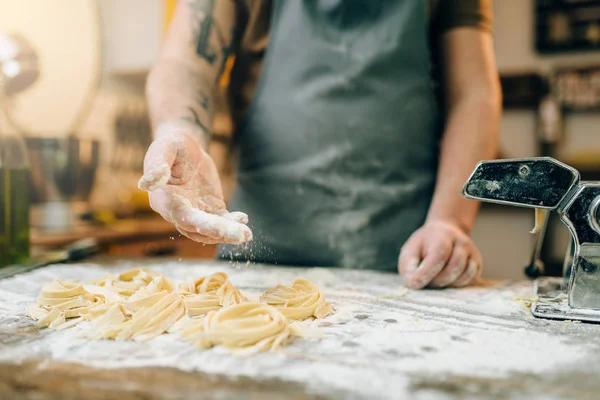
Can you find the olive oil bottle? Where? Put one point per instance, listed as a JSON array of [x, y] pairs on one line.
[[14, 199]]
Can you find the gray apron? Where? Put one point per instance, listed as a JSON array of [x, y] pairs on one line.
[[339, 150]]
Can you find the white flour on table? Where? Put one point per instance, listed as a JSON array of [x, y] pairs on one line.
[[372, 345]]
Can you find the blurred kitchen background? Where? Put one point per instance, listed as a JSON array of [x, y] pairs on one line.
[[86, 121]]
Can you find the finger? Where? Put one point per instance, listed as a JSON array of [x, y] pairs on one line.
[[196, 237], [213, 226], [469, 275], [478, 274], [410, 257], [237, 216], [455, 267], [433, 263], [203, 239], [160, 202], [155, 178], [179, 211], [158, 162]]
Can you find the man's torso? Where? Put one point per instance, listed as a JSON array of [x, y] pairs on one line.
[[338, 150]]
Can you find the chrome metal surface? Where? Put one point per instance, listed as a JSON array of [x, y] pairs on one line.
[[549, 184], [553, 303], [541, 182], [593, 215], [62, 169], [577, 214]]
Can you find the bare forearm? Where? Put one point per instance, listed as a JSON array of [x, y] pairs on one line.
[[473, 100], [471, 136], [181, 83], [175, 95]]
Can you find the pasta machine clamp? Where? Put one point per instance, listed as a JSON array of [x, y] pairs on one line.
[[546, 184]]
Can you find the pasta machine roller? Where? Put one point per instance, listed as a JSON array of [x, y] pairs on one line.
[[546, 184]]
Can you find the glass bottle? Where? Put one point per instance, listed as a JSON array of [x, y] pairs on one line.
[[14, 195]]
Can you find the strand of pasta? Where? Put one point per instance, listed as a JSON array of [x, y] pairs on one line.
[[218, 285], [140, 293], [147, 313], [64, 303], [300, 301], [244, 328], [140, 304], [61, 300]]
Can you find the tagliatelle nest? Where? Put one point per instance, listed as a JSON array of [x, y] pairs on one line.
[[140, 304], [300, 301]]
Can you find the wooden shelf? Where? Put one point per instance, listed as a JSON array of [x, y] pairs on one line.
[[137, 237], [124, 230]]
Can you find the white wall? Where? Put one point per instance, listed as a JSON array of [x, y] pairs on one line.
[[66, 39], [514, 40], [515, 52], [502, 234]]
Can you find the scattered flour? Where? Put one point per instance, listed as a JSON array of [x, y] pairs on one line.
[[371, 347]]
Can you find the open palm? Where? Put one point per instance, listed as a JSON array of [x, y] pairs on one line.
[[185, 189]]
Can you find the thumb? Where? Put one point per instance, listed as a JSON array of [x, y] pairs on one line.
[[236, 216], [158, 162], [410, 256]]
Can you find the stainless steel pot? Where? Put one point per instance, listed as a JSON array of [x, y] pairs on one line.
[[62, 169], [63, 173]]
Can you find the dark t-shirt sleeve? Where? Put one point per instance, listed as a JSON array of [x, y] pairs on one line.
[[450, 14], [252, 25]]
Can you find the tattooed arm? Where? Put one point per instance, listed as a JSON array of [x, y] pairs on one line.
[[180, 85], [181, 178]]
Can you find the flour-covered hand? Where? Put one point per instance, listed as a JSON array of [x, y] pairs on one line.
[[439, 254], [185, 189]]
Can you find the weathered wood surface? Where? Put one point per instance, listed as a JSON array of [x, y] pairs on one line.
[[469, 343]]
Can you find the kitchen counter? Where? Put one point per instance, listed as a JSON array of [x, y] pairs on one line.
[[147, 227], [381, 343], [145, 236]]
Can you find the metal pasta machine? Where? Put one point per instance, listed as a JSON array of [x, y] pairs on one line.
[[546, 184]]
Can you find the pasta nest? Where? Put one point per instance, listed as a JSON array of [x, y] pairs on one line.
[[210, 293], [62, 300], [300, 301], [140, 304], [129, 282], [246, 328]]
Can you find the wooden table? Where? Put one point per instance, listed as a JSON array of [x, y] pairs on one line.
[[444, 344]]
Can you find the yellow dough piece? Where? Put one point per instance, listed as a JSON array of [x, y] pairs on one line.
[[141, 304], [147, 313], [540, 217], [526, 300], [244, 328], [210, 292], [300, 301], [106, 325], [128, 282], [154, 320], [201, 304], [105, 292], [156, 285], [62, 300]]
